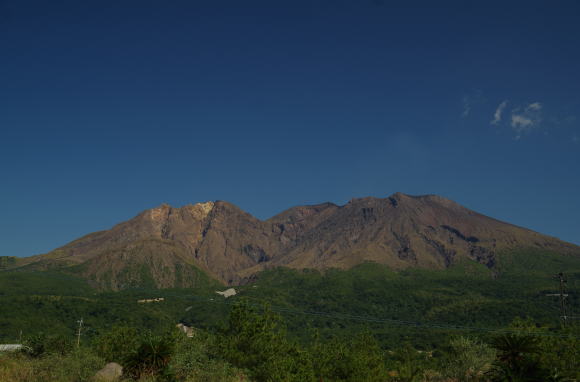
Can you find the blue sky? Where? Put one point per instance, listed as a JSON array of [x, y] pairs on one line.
[[108, 108]]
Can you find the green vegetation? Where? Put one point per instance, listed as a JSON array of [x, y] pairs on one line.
[[368, 323], [22, 283], [253, 346], [7, 262], [469, 359], [419, 306], [466, 295]]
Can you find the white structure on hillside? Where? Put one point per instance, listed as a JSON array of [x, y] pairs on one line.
[[159, 299], [227, 293], [188, 330], [10, 347]]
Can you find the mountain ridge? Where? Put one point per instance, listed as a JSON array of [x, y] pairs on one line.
[[232, 246]]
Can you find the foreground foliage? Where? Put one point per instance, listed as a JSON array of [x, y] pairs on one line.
[[253, 346]]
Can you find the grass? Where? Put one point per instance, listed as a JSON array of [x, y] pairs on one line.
[[76, 367]]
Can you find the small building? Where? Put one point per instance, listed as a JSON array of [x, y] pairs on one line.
[[159, 299]]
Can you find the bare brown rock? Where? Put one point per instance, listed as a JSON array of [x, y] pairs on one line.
[[164, 246]]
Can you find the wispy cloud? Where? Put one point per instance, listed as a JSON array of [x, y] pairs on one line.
[[532, 118], [521, 122], [534, 106], [498, 113], [526, 118]]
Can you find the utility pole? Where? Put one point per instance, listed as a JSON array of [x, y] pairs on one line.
[[79, 332], [563, 296]]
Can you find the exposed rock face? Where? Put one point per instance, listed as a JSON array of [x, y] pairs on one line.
[[402, 230], [231, 245]]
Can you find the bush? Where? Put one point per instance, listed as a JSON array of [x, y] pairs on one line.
[[469, 360], [117, 344], [41, 344], [151, 357], [192, 361], [408, 364]]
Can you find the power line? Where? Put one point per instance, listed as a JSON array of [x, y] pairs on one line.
[[416, 324], [388, 321], [340, 316]]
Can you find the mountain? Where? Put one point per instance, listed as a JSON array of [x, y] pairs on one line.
[[402, 230], [178, 247]]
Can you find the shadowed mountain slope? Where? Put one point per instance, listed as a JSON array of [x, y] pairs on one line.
[[168, 247]]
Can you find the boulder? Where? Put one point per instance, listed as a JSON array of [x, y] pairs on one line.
[[110, 373]]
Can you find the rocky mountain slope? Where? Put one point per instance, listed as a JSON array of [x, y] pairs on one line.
[[168, 246]]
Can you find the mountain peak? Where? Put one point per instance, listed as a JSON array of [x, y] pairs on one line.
[[159, 214], [401, 230], [401, 195], [202, 210], [427, 198], [364, 199]]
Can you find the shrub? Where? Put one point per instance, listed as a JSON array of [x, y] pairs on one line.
[[151, 357], [41, 344], [408, 364], [469, 359], [117, 344]]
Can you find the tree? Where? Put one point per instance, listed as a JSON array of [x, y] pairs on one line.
[[358, 360], [256, 341], [558, 353], [515, 359]]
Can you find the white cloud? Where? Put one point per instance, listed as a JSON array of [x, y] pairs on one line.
[[497, 115], [521, 122], [536, 106], [525, 119]]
